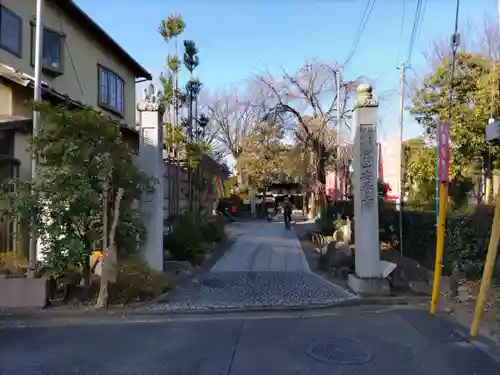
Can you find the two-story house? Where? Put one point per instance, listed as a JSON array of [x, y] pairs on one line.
[[82, 65]]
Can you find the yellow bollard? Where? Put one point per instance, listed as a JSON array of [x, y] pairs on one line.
[[488, 269], [443, 201], [487, 191]]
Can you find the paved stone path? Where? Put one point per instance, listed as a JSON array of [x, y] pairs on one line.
[[265, 268], [264, 247]]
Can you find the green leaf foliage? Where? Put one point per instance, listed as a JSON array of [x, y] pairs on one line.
[[78, 152], [474, 101]]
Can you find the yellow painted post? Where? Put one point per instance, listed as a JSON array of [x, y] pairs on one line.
[[487, 191], [443, 201], [488, 269]]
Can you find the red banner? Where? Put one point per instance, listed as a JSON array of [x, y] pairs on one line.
[[444, 152]]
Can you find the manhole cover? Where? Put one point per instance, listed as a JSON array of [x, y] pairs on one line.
[[339, 351], [217, 282]]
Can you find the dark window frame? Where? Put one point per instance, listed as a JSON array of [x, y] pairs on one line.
[[106, 102], [18, 53], [61, 39]]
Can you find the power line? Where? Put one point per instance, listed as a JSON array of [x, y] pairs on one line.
[[72, 62], [416, 21], [361, 28], [424, 7], [403, 13], [455, 42]]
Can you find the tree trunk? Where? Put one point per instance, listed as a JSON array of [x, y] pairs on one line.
[[479, 188], [170, 182], [305, 203], [239, 176], [177, 148], [313, 207], [86, 267], [496, 183], [190, 140], [109, 260], [320, 181], [488, 178], [262, 207], [86, 273]]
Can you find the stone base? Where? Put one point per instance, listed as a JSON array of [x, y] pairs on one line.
[[23, 292], [369, 287]]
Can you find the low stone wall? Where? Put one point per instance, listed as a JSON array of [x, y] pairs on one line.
[[23, 293]]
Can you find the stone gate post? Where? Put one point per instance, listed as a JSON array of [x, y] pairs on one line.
[[151, 162], [368, 278]]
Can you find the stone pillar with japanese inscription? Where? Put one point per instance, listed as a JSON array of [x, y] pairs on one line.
[[369, 277], [151, 162]]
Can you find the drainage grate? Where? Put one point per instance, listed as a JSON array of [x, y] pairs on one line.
[[340, 352]]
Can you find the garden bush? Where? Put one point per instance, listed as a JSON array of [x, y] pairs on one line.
[[185, 240], [189, 237], [325, 225], [137, 282], [466, 241], [212, 230], [467, 233]]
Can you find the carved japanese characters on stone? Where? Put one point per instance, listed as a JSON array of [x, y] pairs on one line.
[[368, 159]]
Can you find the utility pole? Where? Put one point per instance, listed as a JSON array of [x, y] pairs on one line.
[[401, 153], [339, 120], [489, 177], [37, 96]]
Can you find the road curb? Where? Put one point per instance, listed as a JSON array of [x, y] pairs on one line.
[[40, 315], [370, 301]]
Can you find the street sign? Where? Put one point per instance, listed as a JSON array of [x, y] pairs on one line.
[[444, 152], [493, 131]]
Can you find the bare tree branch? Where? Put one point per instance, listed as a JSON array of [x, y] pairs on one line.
[[308, 99], [233, 117]]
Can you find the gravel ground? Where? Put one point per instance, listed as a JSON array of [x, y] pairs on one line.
[[247, 290]]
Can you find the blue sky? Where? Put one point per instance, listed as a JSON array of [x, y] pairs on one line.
[[239, 38]]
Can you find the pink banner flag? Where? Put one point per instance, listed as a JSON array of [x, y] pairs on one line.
[[444, 152]]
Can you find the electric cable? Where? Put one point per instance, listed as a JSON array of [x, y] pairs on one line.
[[401, 29], [361, 28], [414, 30], [455, 42]]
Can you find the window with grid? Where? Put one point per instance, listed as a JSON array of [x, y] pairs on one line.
[[11, 31], [111, 91], [52, 51]]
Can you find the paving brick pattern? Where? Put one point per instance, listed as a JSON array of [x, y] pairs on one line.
[[248, 290], [265, 268]]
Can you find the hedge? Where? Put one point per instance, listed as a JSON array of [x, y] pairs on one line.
[[467, 234]]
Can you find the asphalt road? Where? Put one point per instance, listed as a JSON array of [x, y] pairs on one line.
[[392, 342]]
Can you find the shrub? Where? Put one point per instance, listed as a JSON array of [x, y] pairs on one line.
[[11, 262], [137, 282], [325, 225], [343, 207], [212, 230], [184, 241], [466, 241]]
